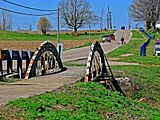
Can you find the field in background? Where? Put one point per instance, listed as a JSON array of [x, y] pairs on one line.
[[30, 41], [68, 35]]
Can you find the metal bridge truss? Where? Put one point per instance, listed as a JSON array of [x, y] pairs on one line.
[[99, 70], [44, 60]]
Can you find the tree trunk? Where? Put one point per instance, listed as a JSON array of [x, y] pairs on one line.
[[75, 29], [148, 25], [154, 25], [44, 32]]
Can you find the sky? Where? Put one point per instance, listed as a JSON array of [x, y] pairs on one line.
[[119, 9]]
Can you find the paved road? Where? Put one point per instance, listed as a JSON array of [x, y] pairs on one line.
[[39, 85], [26, 88], [82, 53]]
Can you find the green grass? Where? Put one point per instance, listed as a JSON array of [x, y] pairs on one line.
[[81, 46], [86, 101], [73, 64], [133, 47], [135, 34], [6, 81], [9, 35], [17, 36], [146, 78]]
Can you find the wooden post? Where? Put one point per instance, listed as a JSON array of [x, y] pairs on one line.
[[1, 67], [28, 59], [19, 63], [9, 62]]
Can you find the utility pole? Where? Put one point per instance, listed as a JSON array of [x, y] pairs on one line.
[[89, 31], [59, 44], [129, 21], [110, 19], [102, 19], [58, 26], [30, 28], [18, 27], [101, 22]]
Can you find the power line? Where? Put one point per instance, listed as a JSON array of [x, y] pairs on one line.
[[29, 14], [27, 6]]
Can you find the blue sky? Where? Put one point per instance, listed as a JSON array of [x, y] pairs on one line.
[[119, 9]]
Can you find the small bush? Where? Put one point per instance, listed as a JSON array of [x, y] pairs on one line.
[[75, 34]]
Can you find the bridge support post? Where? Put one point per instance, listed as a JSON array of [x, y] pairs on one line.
[[60, 49]]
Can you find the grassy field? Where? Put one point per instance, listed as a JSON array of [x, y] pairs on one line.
[[133, 48], [81, 101], [145, 82], [146, 76], [17, 36]]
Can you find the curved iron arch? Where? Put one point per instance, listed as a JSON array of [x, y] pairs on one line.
[[44, 47], [99, 70]]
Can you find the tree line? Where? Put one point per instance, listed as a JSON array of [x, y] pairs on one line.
[[76, 14]]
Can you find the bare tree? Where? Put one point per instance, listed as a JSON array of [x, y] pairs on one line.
[[76, 13], [6, 22], [44, 25], [155, 12], [145, 10]]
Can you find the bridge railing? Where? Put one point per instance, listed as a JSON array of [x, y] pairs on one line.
[[26, 64], [11, 62]]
